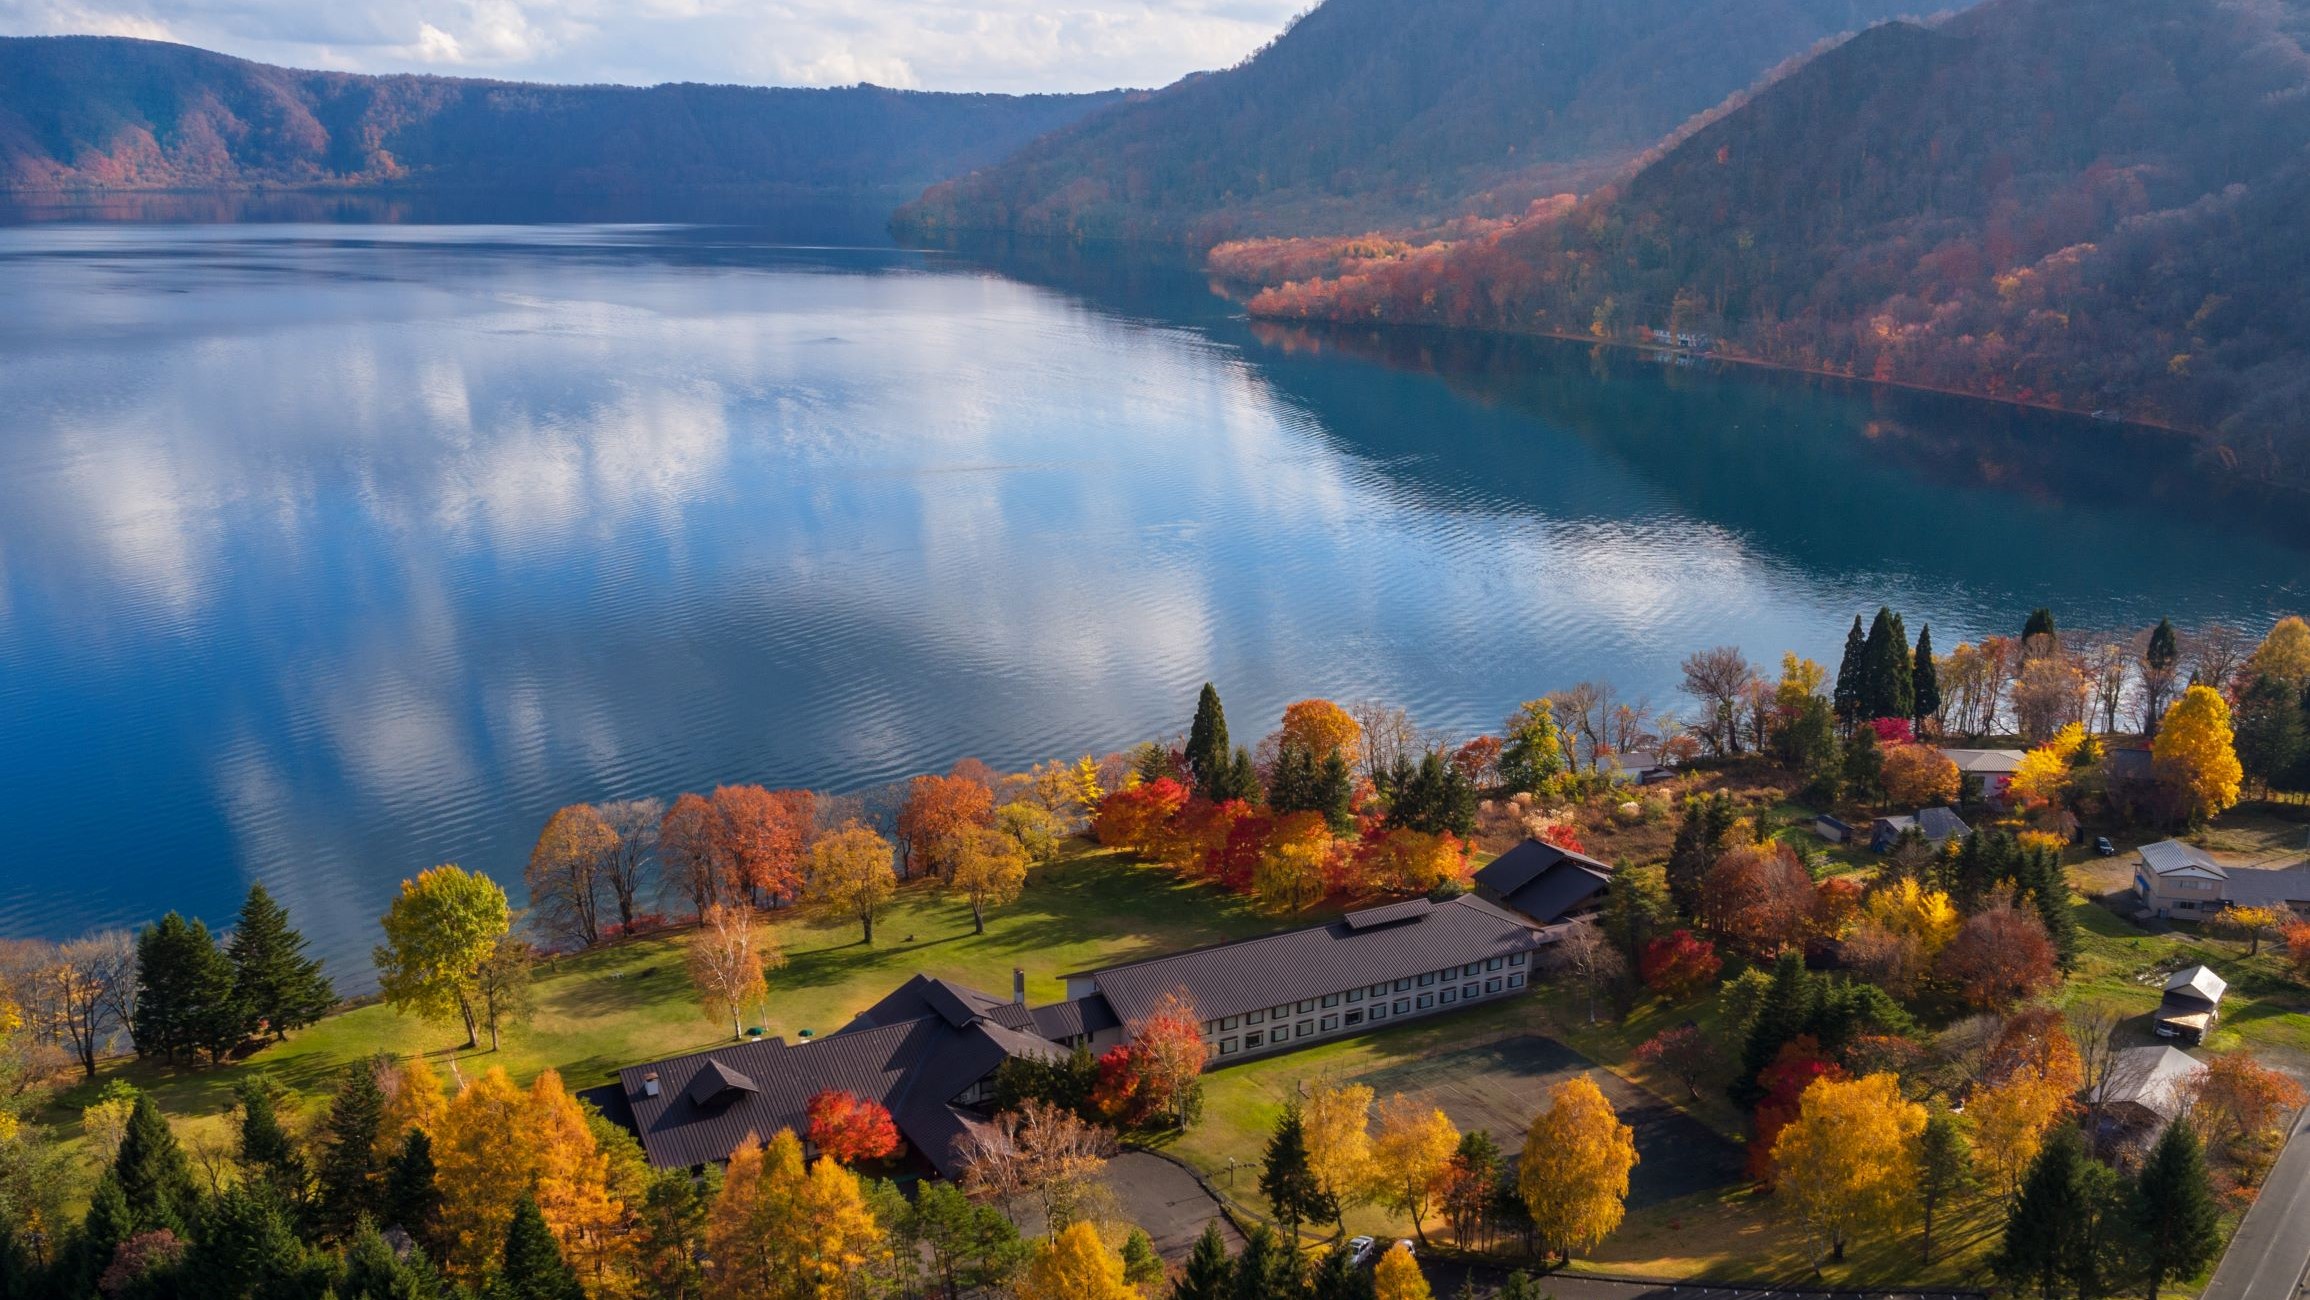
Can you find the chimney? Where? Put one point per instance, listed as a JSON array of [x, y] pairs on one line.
[[650, 1084], [1019, 985]]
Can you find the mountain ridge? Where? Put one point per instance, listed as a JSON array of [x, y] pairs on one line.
[[98, 113]]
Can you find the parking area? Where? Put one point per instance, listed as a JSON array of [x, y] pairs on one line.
[[1164, 1198]]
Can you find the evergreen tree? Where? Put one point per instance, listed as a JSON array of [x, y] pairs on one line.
[[412, 1196], [2045, 1229], [1337, 1277], [1209, 1274], [273, 980], [154, 1178], [350, 1182], [266, 1150], [110, 1221], [2037, 873], [2040, 624], [1433, 798], [1267, 1269], [1884, 668], [374, 1271], [1239, 781], [1700, 841], [185, 996], [1141, 1265], [1847, 696], [1864, 767], [2172, 1216], [1207, 748], [675, 1210], [1333, 793], [1291, 782], [1287, 1181], [1925, 681], [1901, 671], [1944, 1167], [1788, 1007], [246, 1249], [1809, 743], [2272, 737], [533, 1268]]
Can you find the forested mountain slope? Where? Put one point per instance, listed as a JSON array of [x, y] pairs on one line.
[[2095, 204], [1371, 112], [85, 112]]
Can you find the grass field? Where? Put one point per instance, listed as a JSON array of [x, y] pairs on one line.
[[631, 1002]]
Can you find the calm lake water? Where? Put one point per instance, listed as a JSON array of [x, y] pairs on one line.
[[330, 552]]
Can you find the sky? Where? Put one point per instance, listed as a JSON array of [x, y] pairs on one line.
[[995, 45]]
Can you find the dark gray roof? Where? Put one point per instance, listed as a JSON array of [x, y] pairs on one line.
[[957, 1004], [710, 1103], [1542, 881], [1521, 865], [1249, 974], [1077, 1019], [1941, 824]]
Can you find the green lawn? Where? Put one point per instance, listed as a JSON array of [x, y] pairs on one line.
[[2119, 962], [621, 1005]]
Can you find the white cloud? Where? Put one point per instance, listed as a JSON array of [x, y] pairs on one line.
[[999, 45]]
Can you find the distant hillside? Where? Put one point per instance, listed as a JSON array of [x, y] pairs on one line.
[[85, 112], [1373, 112], [2095, 204]]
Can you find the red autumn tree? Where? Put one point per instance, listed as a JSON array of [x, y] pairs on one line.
[[1479, 761], [1171, 1051], [2297, 938], [1563, 835], [1678, 965], [937, 812], [1758, 897], [762, 837], [847, 1128], [1120, 1095], [1683, 1051], [1999, 957], [1836, 906], [690, 853], [1137, 819], [1893, 731], [1798, 1064]]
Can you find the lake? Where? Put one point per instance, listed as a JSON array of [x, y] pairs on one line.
[[332, 551]]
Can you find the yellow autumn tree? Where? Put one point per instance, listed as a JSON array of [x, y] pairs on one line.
[[2197, 751], [483, 1159], [1847, 1164], [1574, 1171], [570, 1180], [784, 1231], [1336, 1125], [2284, 655], [1322, 728], [990, 870], [1290, 873], [1911, 909], [1074, 1265], [413, 1099], [2034, 1072], [1398, 1277], [1412, 1158], [1801, 679], [2042, 778]]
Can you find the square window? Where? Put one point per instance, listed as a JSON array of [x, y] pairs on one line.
[[1427, 1000], [1229, 1046], [1306, 1027], [1493, 964], [1331, 999], [1467, 990], [1330, 1023], [1230, 1022], [1355, 995], [1278, 1013], [1472, 968], [1253, 1040], [1427, 979], [1306, 1005], [1403, 1006], [1279, 1034], [1515, 959], [1448, 995], [1256, 1018], [1379, 1011], [1492, 985], [1403, 985], [1354, 1018], [1516, 981]]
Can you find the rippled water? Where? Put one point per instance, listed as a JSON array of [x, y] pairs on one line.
[[331, 552]]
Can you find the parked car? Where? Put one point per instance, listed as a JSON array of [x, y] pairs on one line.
[[1409, 1248], [2103, 848], [1360, 1250]]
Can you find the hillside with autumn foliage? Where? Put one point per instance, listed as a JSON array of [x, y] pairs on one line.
[[101, 113], [1377, 112], [2092, 204]]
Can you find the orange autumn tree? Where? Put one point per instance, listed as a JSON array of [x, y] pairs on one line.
[[938, 812], [1919, 776], [785, 1230], [1296, 865], [493, 1144], [571, 1183], [1401, 860], [760, 837], [1758, 897], [2032, 1074], [848, 1128], [2239, 1101], [565, 874], [1136, 819], [1322, 728], [1159, 1072]]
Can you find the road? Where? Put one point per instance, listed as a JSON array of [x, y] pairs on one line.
[[1445, 1280], [2267, 1257]]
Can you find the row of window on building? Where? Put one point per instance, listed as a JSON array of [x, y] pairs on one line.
[[1340, 1012]]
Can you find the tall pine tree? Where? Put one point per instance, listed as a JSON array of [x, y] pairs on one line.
[[276, 983], [351, 1184], [533, 1268], [184, 998], [2044, 1231], [1208, 754], [266, 1151], [1700, 841], [1288, 1182], [1209, 1275], [1847, 695], [412, 1193], [1925, 680], [154, 1178], [246, 1247], [2172, 1216]]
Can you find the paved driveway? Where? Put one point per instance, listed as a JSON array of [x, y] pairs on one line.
[[2271, 1250], [1160, 1196]]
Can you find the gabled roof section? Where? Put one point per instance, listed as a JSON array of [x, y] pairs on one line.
[[2154, 1078], [1941, 824], [2174, 858], [1520, 866], [1372, 918], [715, 1082], [1985, 762], [928, 995], [2199, 982]]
